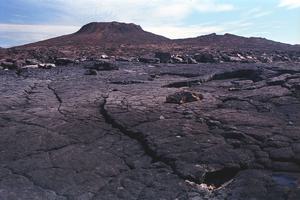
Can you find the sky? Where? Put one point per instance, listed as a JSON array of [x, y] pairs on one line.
[[26, 21]]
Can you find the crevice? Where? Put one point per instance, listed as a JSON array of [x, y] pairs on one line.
[[141, 139], [58, 99], [218, 178], [126, 82], [185, 75], [287, 71], [41, 151], [55, 93]]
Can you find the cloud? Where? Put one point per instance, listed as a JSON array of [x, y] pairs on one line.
[[256, 13], [48, 29], [186, 31], [139, 11], [176, 32], [290, 4]]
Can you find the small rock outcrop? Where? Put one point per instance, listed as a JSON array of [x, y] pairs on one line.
[[183, 97]]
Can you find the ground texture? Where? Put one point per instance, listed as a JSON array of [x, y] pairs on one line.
[[185, 132]]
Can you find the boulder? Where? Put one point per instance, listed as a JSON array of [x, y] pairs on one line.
[[280, 58], [32, 62], [46, 65], [9, 65], [177, 59], [191, 60], [224, 57], [102, 65], [204, 57], [265, 58], [64, 61], [235, 59], [164, 57], [104, 56], [30, 66], [251, 59], [183, 97], [82, 59]]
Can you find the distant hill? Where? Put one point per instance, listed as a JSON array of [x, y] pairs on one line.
[[2, 49], [105, 33], [236, 42]]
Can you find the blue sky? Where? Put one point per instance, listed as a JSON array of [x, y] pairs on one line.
[[25, 21]]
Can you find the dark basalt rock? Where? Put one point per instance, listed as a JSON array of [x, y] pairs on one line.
[[102, 65], [164, 57], [182, 84], [149, 60], [279, 80], [12, 64], [204, 57], [90, 72], [9, 65], [177, 59], [191, 60], [126, 82], [125, 59], [32, 62], [46, 65], [183, 97], [250, 74], [64, 61]]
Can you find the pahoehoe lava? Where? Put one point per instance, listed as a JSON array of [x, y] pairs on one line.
[[140, 138]]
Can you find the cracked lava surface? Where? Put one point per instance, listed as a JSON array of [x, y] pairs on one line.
[[65, 135]]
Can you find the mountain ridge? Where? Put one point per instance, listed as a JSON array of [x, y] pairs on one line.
[[129, 39], [226, 40]]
